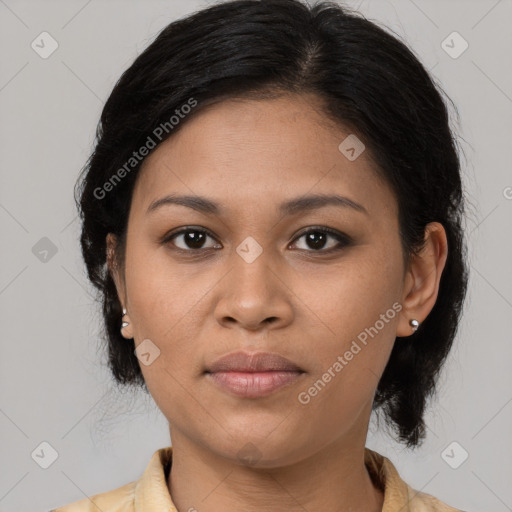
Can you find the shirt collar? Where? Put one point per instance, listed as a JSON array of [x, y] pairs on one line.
[[385, 476], [151, 491]]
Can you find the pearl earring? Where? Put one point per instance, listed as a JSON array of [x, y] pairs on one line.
[[124, 324], [414, 324]]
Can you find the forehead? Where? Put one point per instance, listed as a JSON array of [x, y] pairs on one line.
[[255, 152]]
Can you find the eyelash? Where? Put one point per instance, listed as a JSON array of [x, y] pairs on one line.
[[343, 240]]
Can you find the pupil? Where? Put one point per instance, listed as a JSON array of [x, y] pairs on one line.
[[316, 244], [190, 239]]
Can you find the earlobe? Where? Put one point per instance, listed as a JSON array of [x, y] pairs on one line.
[[423, 278], [113, 268], [126, 330]]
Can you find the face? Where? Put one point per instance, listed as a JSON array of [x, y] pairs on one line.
[[320, 286]]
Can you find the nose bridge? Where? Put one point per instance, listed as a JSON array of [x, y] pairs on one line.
[[253, 293], [252, 273]]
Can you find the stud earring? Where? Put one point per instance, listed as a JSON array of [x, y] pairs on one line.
[[414, 324], [124, 324]]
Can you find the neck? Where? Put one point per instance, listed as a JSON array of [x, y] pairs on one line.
[[333, 478]]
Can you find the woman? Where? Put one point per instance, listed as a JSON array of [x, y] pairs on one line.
[[272, 215]]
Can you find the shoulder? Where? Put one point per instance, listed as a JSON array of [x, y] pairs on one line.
[[118, 500], [398, 495], [422, 502]]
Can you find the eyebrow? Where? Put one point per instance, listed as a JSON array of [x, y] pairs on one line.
[[290, 207]]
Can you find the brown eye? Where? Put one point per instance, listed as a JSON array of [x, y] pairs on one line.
[[317, 240], [190, 239]]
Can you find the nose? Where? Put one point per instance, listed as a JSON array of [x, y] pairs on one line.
[[254, 296]]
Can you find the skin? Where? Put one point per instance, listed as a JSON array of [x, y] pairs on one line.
[[249, 156]]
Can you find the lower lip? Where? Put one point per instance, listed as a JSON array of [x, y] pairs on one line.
[[254, 384]]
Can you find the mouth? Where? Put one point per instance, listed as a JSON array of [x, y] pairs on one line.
[[253, 375], [253, 384]]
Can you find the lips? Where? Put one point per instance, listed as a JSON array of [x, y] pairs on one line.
[[253, 375], [252, 362]]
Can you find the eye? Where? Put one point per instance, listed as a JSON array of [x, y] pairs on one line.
[[317, 238], [190, 239]]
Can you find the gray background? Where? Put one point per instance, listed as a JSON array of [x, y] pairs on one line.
[[55, 386]]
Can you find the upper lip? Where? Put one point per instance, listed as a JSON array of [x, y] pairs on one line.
[[252, 362]]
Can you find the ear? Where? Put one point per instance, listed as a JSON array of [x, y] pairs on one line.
[[114, 269], [421, 285]]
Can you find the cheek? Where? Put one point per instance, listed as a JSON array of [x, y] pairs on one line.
[[161, 293], [351, 363], [351, 296], [359, 308], [166, 308]]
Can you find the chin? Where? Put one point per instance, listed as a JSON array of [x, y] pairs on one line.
[[258, 448]]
